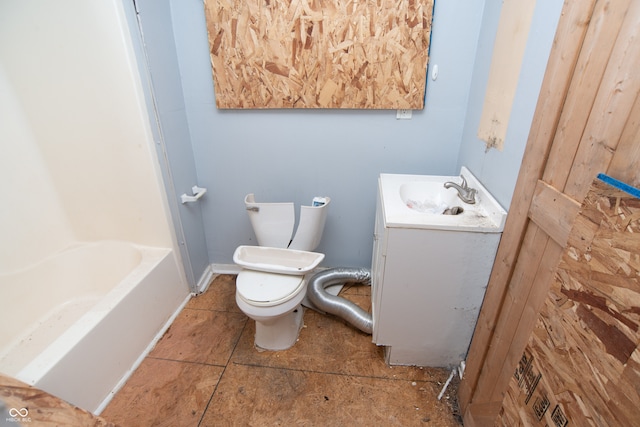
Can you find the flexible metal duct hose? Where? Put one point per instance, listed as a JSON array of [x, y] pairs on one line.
[[339, 306]]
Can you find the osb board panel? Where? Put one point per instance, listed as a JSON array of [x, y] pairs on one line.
[[319, 53], [581, 365], [29, 406], [490, 348]]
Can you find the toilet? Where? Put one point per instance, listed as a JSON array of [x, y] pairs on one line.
[[273, 281]]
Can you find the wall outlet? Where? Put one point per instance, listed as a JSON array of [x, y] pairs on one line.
[[403, 115]]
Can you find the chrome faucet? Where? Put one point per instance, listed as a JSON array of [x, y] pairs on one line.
[[466, 194]]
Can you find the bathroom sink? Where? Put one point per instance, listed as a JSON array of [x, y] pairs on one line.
[[422, 201], [428, 197]]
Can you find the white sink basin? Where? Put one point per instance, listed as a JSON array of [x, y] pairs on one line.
[[419, 201], [428, 197]]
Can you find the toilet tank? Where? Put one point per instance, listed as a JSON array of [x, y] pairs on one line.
[[273, 223]]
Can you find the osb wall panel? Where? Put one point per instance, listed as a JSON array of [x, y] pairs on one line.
[[366, 54], [581, 366]]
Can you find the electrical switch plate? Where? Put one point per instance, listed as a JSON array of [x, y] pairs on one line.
[[403, 115]]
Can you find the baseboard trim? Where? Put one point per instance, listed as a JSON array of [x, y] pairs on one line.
[[205, 279], [225, 268]]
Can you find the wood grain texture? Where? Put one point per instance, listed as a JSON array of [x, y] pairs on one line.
[[586, 122], [570, 35], [333, 376], [626, 159], [582, 358], [319, 53], [32, 406], [602, 27], [611, 109], [553, 211]]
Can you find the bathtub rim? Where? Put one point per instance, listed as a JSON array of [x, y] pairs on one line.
[[33, 318], [47, 359]]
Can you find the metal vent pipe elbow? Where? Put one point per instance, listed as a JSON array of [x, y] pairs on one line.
[[339, 306]]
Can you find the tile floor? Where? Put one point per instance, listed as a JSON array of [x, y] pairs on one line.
[[205, 371]]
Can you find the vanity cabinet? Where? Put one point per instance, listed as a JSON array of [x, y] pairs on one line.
[[427, 289]]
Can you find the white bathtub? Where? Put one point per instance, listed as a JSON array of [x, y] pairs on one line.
[[77, 322]]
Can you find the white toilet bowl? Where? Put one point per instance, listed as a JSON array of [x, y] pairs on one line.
[[273, 301], [269, 290], [272, 284]]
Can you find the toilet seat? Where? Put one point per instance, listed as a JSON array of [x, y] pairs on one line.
[[267, 289]]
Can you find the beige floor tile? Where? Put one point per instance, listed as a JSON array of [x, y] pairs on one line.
[[220, 296], [355, 289], [327, 344], [164, 393], [334, 374], [256, 396], [201, 336]]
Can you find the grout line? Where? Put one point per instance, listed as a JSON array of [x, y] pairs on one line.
[[186, 361], [215, 310], [224, 370], [253, 365], [236, 348]]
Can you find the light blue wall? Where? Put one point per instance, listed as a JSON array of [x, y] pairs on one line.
[[498, 170], [293, 155], [158, 66]]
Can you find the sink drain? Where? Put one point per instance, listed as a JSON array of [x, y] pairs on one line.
[[456, 210]]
